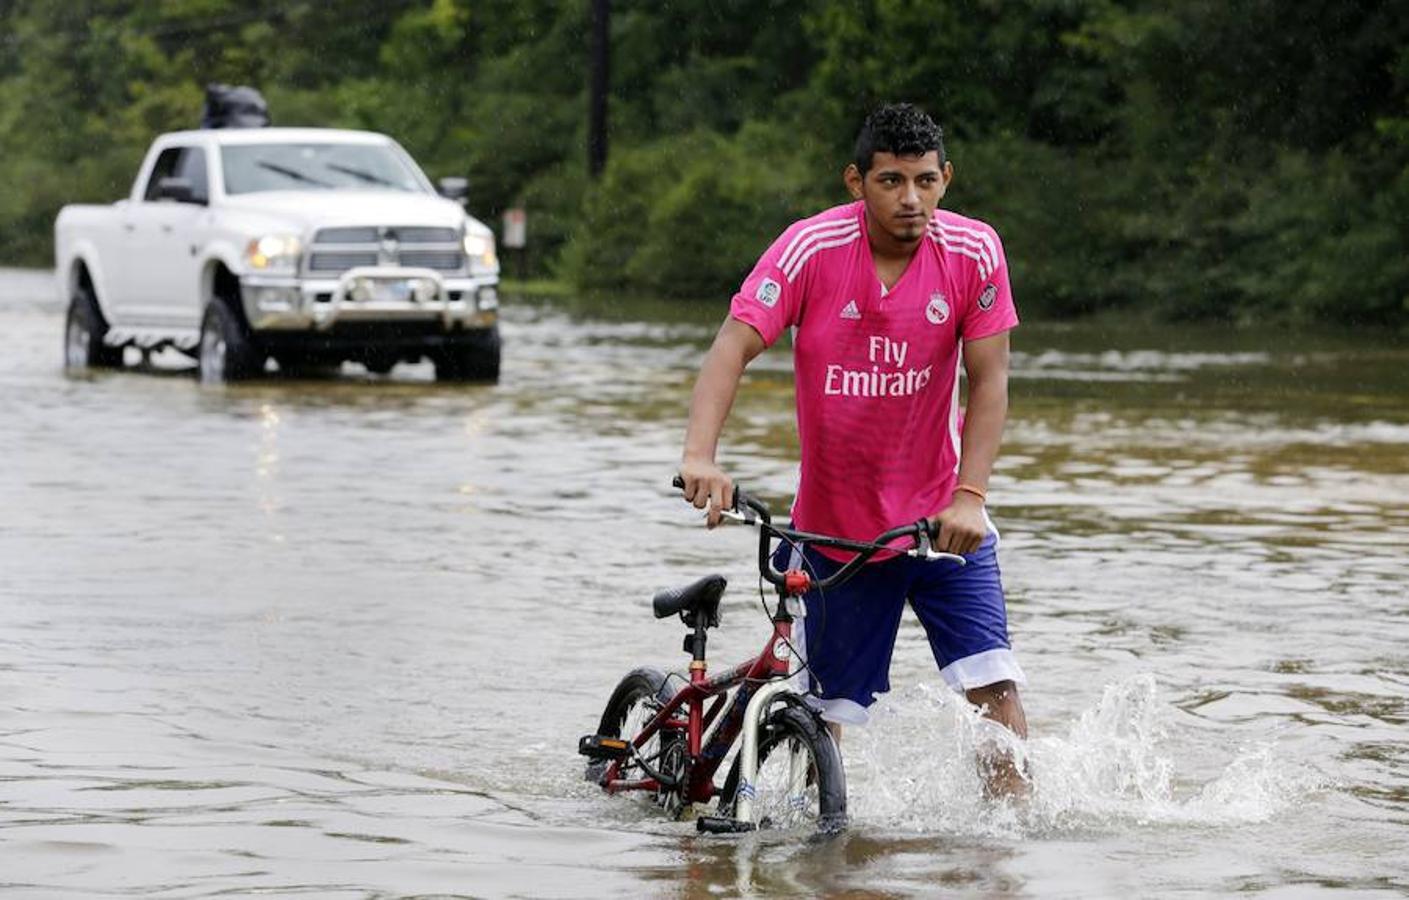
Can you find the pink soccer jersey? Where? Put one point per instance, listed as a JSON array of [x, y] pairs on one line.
[[877, 372]]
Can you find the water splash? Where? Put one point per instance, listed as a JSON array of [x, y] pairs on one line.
[[914, 769]]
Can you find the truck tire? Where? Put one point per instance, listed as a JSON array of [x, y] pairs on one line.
[[84, 329], [478, 361], [227, 353]]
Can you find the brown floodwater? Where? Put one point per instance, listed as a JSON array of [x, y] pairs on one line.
[[340, 637]]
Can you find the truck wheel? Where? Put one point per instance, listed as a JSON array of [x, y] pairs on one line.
[[468, 363], [227, 353], [84, 329]]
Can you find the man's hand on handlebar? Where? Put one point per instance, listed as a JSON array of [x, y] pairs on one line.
[[707, 486], [961, 526]]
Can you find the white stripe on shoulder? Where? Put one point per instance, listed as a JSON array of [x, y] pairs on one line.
[[986, 236], [973, 234], [814, 247], [952, 239], [806, 234], [974, 253], [962, 237], [841, 231]]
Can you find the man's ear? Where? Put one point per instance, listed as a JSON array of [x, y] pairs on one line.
[[851, 177], [946, 177]]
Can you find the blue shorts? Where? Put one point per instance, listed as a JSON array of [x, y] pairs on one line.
[[849, 631]]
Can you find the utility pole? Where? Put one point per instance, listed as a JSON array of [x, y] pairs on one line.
[[599, 86]]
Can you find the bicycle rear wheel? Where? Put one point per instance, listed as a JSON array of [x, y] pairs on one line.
[[800, 783], [636, 700]]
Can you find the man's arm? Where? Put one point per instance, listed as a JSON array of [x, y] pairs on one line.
[[705, 483], [962, 526]]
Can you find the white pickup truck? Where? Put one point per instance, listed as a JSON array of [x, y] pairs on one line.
[[310, 246]]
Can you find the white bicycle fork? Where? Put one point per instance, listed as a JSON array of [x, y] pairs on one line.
[[748, 753]]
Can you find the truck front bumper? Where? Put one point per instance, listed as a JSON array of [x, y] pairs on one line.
[[369, 295]]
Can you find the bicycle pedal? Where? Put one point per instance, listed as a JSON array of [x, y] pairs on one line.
[[595, 746], [723, 825]]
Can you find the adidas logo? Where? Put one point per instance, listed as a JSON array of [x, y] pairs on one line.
[[850, 311]]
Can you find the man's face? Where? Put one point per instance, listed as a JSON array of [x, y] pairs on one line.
[[901, 192]]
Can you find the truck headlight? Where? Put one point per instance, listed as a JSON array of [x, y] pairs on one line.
[[479, 250], [273, 253]]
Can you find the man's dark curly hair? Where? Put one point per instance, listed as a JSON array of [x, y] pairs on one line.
[[899, 128]]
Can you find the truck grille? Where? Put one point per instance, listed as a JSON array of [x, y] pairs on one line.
[[441, 260], [336, 250], [340, 261]]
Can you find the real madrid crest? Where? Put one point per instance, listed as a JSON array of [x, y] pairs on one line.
[[937, 311]]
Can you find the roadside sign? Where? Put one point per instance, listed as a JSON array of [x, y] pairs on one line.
[[515, 228]]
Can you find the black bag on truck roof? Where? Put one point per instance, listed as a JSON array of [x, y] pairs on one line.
[[234, 106]]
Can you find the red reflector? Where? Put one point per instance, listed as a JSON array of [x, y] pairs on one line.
[[796, 582]]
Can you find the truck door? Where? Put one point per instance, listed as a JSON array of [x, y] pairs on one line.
[[160, 266], [181, 231]]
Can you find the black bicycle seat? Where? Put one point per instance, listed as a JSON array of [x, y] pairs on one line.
[[701, 597]]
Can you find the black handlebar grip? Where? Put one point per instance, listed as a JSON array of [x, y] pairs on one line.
[[678, 483]]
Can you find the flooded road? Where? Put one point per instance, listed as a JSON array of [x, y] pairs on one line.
[[340, 637]]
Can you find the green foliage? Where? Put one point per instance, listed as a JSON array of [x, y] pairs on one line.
[[1046, 204], [1315, 250], [687, 216], [1200, 159], [554, 200]]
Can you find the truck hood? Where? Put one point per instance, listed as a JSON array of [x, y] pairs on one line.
[[307, 210]]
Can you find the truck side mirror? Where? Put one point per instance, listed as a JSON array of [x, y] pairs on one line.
[[178, 189], [455, 188]]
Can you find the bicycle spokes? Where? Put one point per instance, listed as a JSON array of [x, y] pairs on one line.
[[785, 793]]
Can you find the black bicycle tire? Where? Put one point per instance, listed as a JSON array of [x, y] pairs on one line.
[[796, 720], [636, 684]]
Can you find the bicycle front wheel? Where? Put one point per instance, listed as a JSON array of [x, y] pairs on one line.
[[800, 784]]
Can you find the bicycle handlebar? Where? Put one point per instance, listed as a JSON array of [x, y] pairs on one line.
[[920, 531]]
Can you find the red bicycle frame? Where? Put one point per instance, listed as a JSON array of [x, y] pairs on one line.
[[703, 760]]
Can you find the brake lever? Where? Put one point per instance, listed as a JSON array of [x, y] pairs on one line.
[[746, 517], [936, 554], [925, 550]]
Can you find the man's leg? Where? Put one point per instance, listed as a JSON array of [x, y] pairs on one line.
[[848, 634], [964, 615], [1001, 703]]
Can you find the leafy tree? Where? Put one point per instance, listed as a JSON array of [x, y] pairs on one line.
[[1201, 159]]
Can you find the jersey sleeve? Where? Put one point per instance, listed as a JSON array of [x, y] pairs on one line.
[[989, 308], [767, 300]]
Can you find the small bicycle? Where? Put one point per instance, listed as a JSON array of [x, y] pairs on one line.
[[667, 736]]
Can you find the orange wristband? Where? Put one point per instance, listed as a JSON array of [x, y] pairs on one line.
[[977, 492]]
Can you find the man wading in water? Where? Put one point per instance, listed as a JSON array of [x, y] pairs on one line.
[[887, 295]]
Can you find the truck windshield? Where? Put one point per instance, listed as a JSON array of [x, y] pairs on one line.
[[323, 167]]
